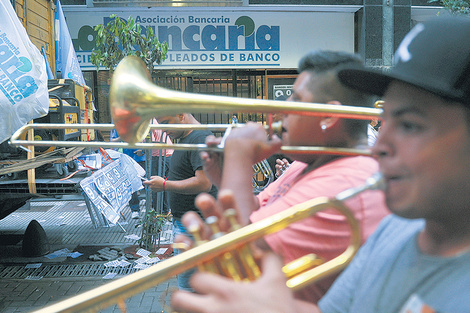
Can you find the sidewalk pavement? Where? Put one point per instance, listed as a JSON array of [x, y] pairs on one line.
[[19, 295], [68, 226]]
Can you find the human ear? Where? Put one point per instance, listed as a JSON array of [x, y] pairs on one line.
[[329, 122]]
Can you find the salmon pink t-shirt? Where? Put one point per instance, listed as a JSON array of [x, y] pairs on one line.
[[327, 233]]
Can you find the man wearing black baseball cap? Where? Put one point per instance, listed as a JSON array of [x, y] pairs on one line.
[[418, 260], [433, 56]]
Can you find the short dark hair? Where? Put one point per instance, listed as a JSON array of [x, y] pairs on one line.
[[324, 65], [326, 60]]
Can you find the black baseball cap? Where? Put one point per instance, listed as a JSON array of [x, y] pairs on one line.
[[434, 56]]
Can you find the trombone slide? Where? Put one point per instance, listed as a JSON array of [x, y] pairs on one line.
[[16, 141]]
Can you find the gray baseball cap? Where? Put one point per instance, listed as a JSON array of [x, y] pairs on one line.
[[434, 56]]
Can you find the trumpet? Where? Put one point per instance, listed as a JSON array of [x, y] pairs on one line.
[[226, 250]]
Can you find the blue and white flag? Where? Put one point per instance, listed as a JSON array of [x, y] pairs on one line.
[[23, 79], [50, 75], [66, 58]]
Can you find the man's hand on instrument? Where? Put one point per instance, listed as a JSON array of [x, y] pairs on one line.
[[281, 166], [219, 294], [189, 220], [210, 207], [155, 183], [224, 209], [251, 143], [193, 221], [213, 161]]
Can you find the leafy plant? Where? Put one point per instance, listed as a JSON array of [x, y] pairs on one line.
[[114, 41], [152, 227], [120, 38], [455, 6]]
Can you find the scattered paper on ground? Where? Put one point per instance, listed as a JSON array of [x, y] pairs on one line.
[[143, 252]]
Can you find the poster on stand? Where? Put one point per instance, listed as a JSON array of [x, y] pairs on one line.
[[110, 188]]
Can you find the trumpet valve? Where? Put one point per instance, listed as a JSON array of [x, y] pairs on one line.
[[231, 215], [195, 230], [212, 221]]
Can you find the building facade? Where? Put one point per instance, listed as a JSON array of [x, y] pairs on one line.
[[245, 48]]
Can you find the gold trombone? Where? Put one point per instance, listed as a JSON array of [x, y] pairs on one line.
[[299, 272], [135, 100]]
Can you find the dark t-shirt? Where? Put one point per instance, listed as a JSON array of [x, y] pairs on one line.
[[183, 165]]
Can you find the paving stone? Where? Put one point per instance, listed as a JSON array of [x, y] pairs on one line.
[[17, 294], [10, 310], [36, 294]]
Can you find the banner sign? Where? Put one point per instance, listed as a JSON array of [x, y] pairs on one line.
[[23, 76], [221, 38]]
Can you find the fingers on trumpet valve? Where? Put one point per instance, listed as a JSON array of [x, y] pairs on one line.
[[239, 264], [213, 227], [194, 225], [231, 215], [213, 223], [246, 254]]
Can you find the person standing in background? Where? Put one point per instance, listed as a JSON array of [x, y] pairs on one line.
[[234, 119], [186, 178], [160, 158]]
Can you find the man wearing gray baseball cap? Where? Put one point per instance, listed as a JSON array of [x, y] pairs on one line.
[[418, 260]]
